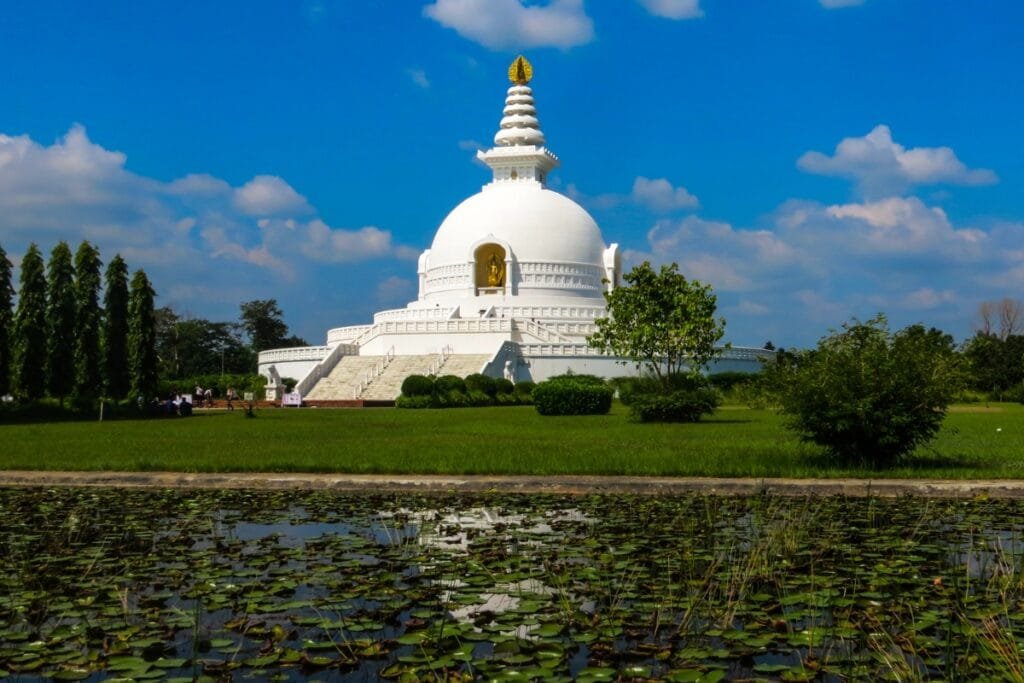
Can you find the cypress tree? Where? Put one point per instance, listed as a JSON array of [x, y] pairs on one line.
[[30, 328], [87, 317], [115, 329], [6, 323], [60, 322], [142, 359]]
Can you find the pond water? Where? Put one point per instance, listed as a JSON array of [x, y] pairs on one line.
[[175, 585]]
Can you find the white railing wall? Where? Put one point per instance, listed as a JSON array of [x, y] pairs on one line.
[[296, 353]]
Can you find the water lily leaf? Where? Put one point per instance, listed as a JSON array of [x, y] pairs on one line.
[[260, 662], [70, 675], [175, 663]]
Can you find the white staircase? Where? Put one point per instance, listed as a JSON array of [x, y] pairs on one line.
[[379, 378], [388, 385], [343, 381], [464, 364]]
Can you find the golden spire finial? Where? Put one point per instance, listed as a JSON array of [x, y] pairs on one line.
[[521, 71]]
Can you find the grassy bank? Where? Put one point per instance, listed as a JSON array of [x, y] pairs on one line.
[[734, 442]]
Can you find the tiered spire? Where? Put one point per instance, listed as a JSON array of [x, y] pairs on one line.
[[519, 153], [519, 126]]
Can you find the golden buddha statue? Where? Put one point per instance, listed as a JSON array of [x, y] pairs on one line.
[[495, 272]]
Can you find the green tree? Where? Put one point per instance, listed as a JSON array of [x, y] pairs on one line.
[[142, 360], [6, 323], [867, 395], [60, 322], [188, 347], [88, 318], [115, 329], [661, 321], [996, 363], [30, 328], [262, 320]]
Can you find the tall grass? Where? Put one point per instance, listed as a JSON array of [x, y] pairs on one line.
[[510, 440]]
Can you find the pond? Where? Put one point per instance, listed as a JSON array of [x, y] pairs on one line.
[[99, 584]]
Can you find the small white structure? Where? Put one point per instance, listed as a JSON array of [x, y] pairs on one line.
[[511, 285]]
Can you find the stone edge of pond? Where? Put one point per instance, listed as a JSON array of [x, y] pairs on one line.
[[576, 485]]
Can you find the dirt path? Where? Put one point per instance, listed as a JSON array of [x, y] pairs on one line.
[[1005, 488]]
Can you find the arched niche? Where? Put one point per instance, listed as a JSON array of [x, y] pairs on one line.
[[490, 268]]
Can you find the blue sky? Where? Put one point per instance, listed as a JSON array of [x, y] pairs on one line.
[[812, 160]]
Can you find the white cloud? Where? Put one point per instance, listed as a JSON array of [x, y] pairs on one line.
[[267, 195], [659, 195], [812, 266], [835, 4], [470, 145], [656, 195], [197, 233], [673, 9], [882, 167], [419, 77], [503, 24]]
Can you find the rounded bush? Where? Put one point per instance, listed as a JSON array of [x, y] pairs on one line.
[[446, 384], [684, 405], [503, 386], [479, 382], [417, 385], [566, 397]]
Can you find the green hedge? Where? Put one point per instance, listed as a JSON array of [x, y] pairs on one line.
[[450, 391], [568, 396], [684, 405]]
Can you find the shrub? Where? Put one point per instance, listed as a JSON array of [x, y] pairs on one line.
[[867, 395], [681, 405], [524, 388], [418, 401], [479, 382], [506, 400], [452, 399], [581, 379], [446, 384], [570, 397], [727, 381], [417, 385], [503, 386], [478, 399]]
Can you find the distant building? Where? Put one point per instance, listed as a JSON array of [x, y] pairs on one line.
[[511, 285]]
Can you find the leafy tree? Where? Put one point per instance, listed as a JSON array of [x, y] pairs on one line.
[[115, 329], [262, 320], [88, 318], [60, 322], [192, 347], [660, 321], [142, 360], [6, 323], [30, 328], [867, 395], [996, 364]]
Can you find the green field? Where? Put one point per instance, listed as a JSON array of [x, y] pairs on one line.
[[975, 442]]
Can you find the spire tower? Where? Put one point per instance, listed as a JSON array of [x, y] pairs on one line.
[[519, 154]]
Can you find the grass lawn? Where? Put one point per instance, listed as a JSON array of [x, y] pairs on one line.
[[734, 442]]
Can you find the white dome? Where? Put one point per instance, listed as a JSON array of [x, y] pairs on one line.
[[537, 224]]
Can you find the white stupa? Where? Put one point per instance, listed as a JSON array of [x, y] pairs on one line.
[[511, 285]]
